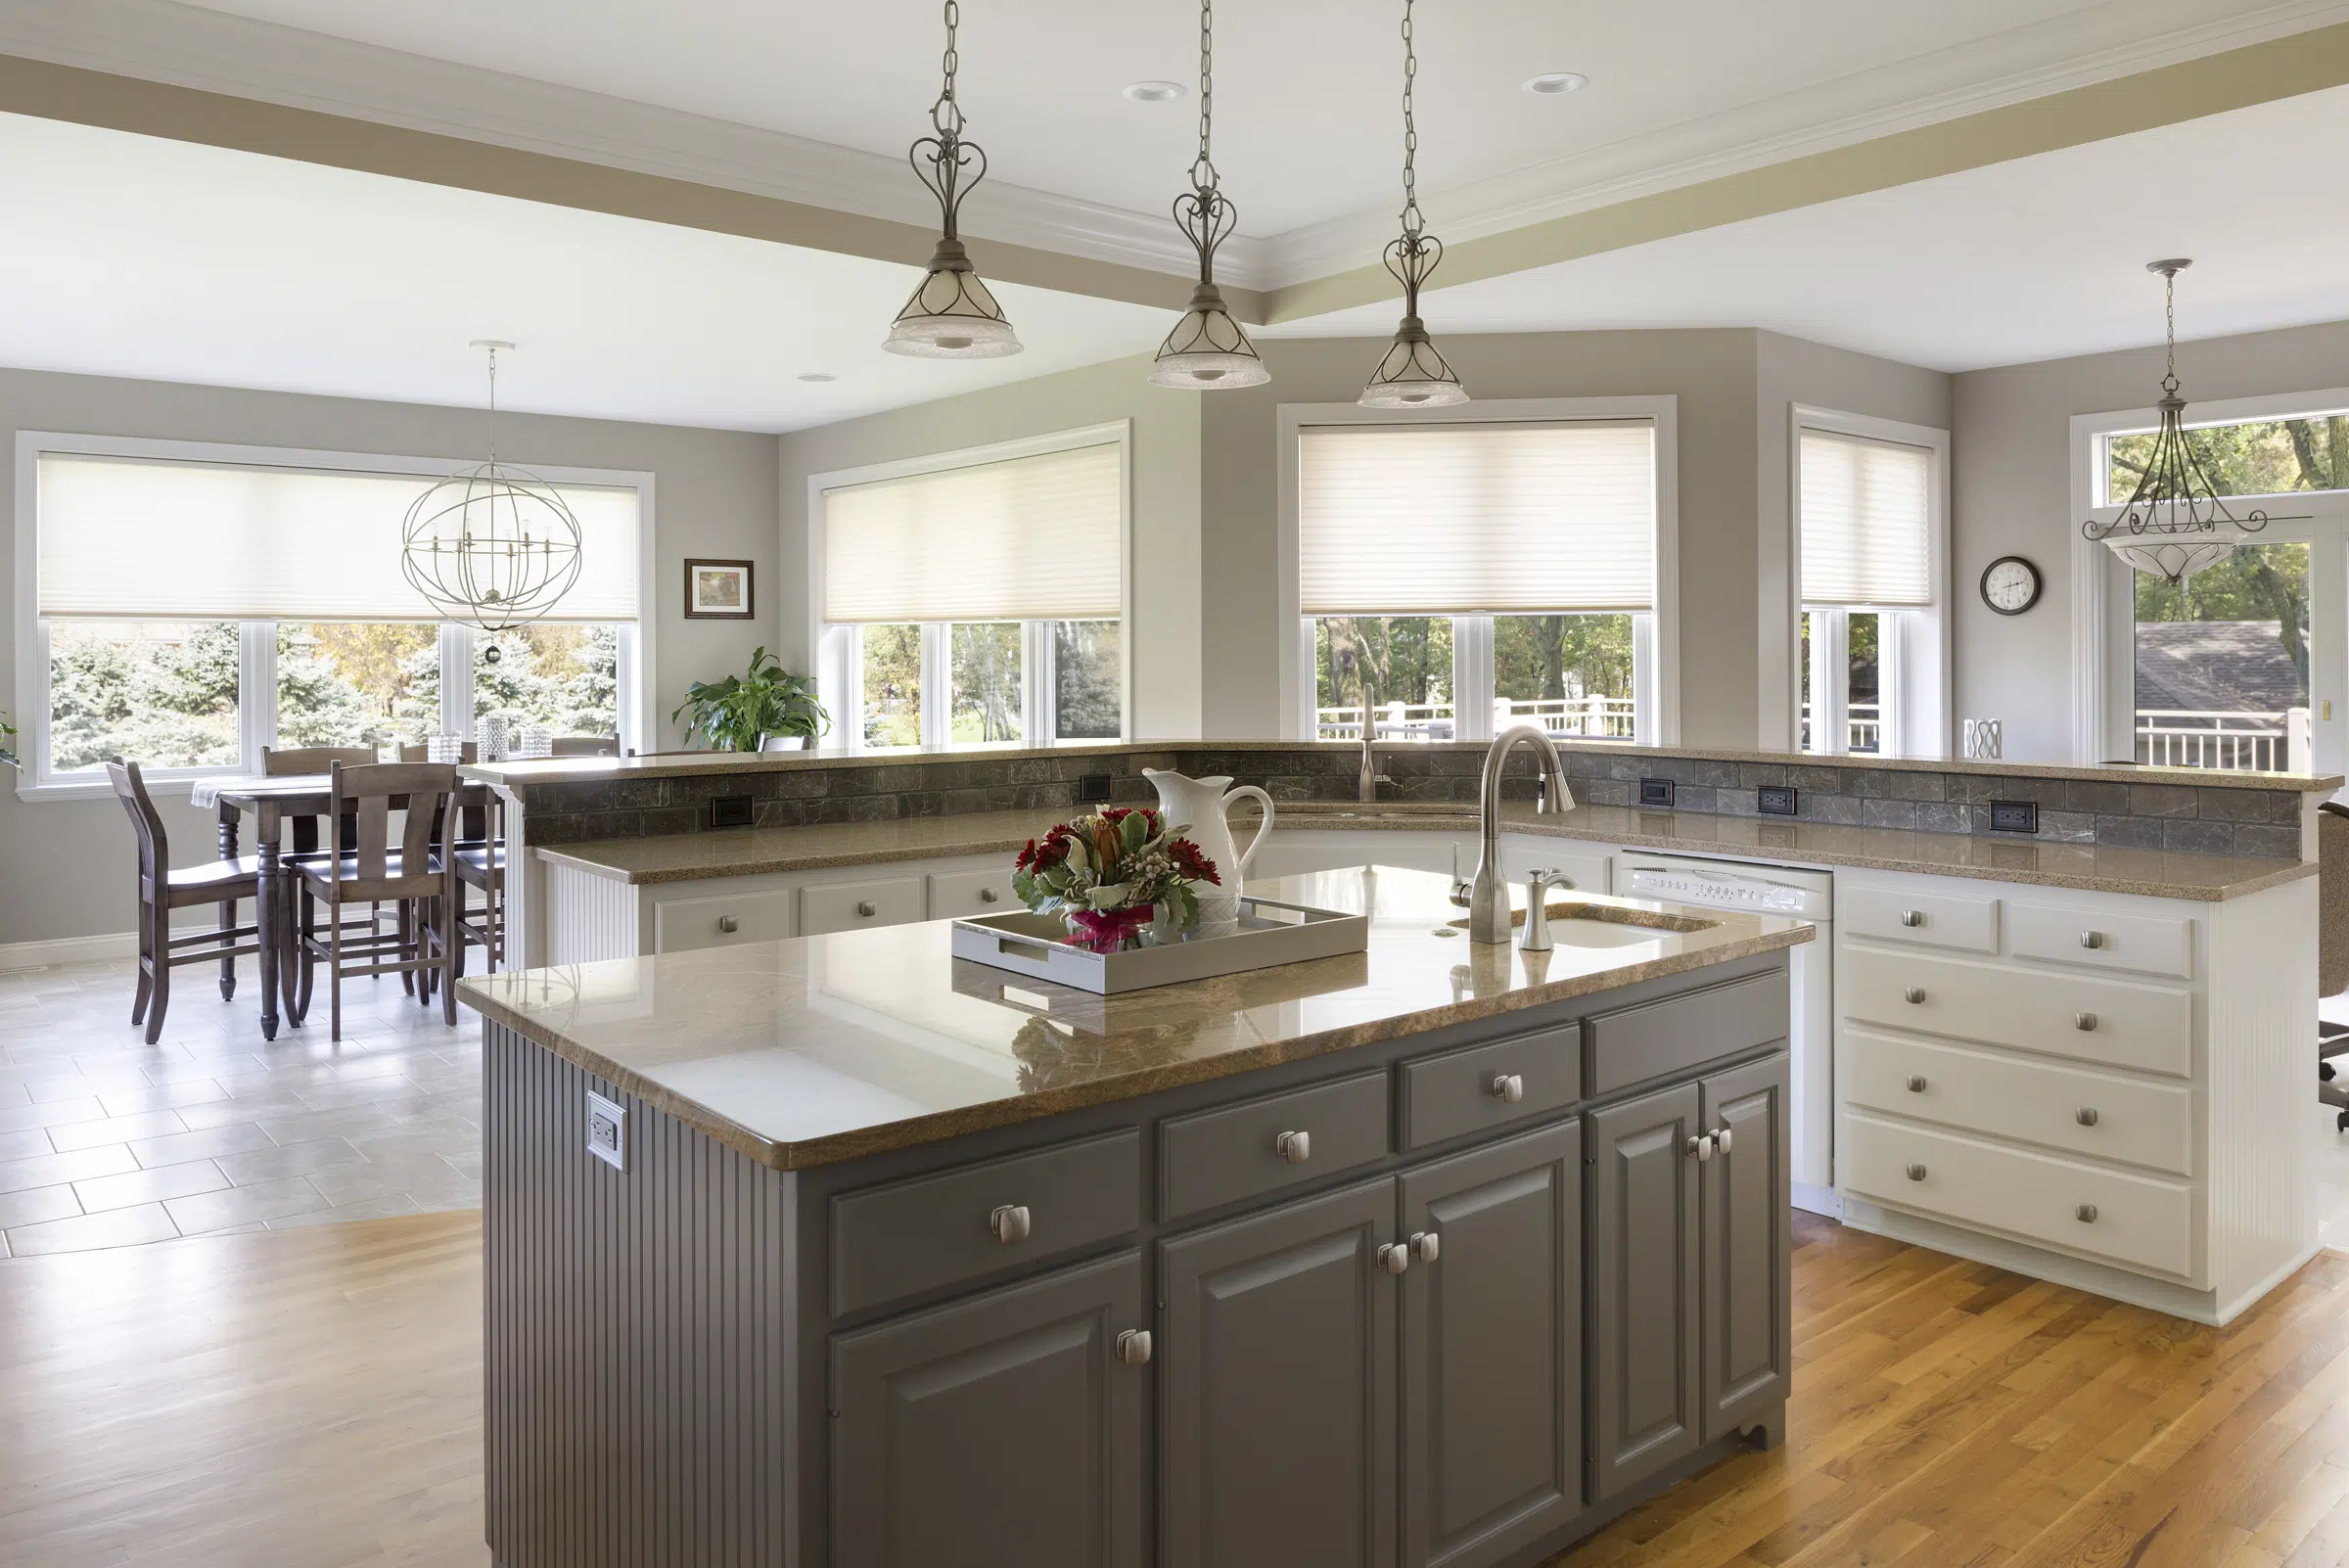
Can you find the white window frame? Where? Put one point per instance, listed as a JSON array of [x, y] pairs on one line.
[[639, 719], [839, 656], [1913, 662], [1655, 636], [2104, 597]]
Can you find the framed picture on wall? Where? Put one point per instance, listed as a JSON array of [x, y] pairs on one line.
[[717, 591]]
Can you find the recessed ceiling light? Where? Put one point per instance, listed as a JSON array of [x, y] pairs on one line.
[[1155, 92], [1554, 84], [817, 375]]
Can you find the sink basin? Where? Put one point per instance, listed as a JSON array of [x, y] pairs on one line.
[[1574, 933], [1576, 924]]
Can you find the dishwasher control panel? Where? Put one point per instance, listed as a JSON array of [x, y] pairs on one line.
[[1724, 889]]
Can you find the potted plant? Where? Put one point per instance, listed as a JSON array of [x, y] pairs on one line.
[[736, 714], [8, 733]]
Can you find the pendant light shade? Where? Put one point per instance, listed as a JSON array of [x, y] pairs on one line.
[[2174, 523], [1207, 350], [1414, 374], [951, 314]]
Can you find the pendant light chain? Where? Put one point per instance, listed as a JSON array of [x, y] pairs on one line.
[[493, 406], [1412, 221], [1203, 172], [1207, 349], [946, 113], [951, 314], [2169, 378], [1414, 374]]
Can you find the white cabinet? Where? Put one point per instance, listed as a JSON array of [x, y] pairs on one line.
[[724, 919], [867, 901], [962, 895]]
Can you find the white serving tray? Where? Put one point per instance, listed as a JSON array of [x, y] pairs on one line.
[[1269, 932]]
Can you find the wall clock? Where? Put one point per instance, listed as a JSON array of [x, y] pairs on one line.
[[2011, 585]]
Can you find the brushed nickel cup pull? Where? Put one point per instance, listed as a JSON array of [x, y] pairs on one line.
[[2086, 1116], [1009, 1223], [1294, 1147], [2084, 1021], [1722, 1140], [990, 895], [1916, 1082], [2086, 1213], [864, 906], [2091, 939], [1912, 918], [1917, 1173], [1509, 1088], [1394, 1259], [1701, 1146], [1133, 1347], [728, 923], [1915, 994], [1426, 1246]]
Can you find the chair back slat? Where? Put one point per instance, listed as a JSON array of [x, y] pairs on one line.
[[147, 824], [420, 752], [587, 746], [299, 761], [2333, 899], [362, 803]]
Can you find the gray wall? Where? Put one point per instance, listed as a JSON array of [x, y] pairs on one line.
[[2011, 494], [65, 865]]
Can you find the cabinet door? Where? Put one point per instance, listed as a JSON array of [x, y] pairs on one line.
[[1007, 1422], [1276, 1388], [1749, 1344], [1644, 1404], [1491, 1415]]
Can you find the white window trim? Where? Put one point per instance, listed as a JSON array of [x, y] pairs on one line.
[[1914, 662], [837, 650], [1658, 710], [639, 717], [2103, 613]]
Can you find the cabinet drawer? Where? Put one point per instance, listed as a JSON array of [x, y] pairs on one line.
[[1222, 1156], [1923, 919], [2139, 1222], [2068, 1108], [721, 920], [959, 895], [2148, 944], [1454, 1093], [2111, 1022], [845, 905], [899, 1240], [1678, 1033]]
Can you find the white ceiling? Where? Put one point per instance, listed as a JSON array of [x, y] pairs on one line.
[[2037, 259], [132, 255]]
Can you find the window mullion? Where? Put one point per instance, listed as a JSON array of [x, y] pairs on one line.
[[456, 678], [256, 690], [937, 692], [1039, 719], [1472, 680]]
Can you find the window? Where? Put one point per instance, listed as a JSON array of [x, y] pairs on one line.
[[1540, 607], [190, 605], [1869, 523], [976, 599]]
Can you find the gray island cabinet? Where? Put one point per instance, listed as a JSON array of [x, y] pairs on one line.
[[840, 1251]]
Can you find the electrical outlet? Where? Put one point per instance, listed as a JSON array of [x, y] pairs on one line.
[[1657, 791], [1775, 800], [607, 1132], [731, 811], [2014, 816], [1092, 787]]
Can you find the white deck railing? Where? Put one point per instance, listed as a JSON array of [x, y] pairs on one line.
[[1863, 726], [1567, 718], [2238, 741]]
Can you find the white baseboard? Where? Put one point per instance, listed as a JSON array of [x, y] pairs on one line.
[[67, 951]]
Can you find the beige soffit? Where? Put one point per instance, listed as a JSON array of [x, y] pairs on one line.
[[2258, 73], [84, 97]]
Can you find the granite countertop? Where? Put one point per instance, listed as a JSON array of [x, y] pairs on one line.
[[820, 1049], [2099, 868]]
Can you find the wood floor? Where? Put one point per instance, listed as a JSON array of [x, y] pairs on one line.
[[311, 1399]]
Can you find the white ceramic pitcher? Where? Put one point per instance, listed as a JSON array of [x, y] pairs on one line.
[[1200, 806]]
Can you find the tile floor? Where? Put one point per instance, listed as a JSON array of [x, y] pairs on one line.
[[106, 1141]]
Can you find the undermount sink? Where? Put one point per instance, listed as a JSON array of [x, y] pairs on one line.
[[1346, 808], [1586, 925]]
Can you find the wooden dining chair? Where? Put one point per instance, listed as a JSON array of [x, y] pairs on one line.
[[371, 868], [481, 861], [163, 888]]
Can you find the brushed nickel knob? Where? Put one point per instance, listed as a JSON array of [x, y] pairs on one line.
[[1133, 1347], [1912, 918], [1426, 1246], [1509, 1088], [2086, 1116], [864, 906], [1394, 1259], [990, 895], [1722, 1140], [2091, 939], [1916, 1082], [1701, 1146], [2086, 1213], [728, 923], [1008, 1224], [1294, 1147], [1914, 995], [1917, 1173], [2084, 1021]]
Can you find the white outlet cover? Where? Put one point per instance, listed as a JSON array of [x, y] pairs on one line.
[[607, 1132]]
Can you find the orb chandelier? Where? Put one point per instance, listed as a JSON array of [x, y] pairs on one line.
[[492, 545], [2174, 523], [1414, 373], [1207, 351], [951, 316]]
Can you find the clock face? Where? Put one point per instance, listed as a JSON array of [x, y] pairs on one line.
[[2010, 586]]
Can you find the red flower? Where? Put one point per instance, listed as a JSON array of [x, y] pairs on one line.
[[1195, 866]]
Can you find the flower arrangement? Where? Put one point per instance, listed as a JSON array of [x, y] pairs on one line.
[[1113, 875]]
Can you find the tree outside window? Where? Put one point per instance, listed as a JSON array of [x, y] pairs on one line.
[[162, 694]]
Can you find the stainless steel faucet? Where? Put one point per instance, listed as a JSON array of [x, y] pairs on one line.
[[1371, 778], [1487, 895], [1538, 883]]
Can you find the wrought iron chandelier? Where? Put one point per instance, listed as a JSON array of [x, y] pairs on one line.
[[951, 316], [2174, 523], [1414, 373], [1207, 351], [493, 545]]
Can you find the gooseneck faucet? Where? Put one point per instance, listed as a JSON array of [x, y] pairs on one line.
[[1487, 895], [1371, 778]]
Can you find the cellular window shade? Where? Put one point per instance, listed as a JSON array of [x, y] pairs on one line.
[[138, 538], [1458, 519], [1867, 508], [1029, 539]]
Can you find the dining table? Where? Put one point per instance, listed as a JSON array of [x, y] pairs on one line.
[[269, 801]]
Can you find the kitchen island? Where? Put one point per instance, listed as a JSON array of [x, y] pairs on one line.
[[838, 1250]]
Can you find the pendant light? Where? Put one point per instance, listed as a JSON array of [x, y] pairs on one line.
[[2174, 525], [492, 545], [1207, 351], [951, 316], [1414, 373]]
